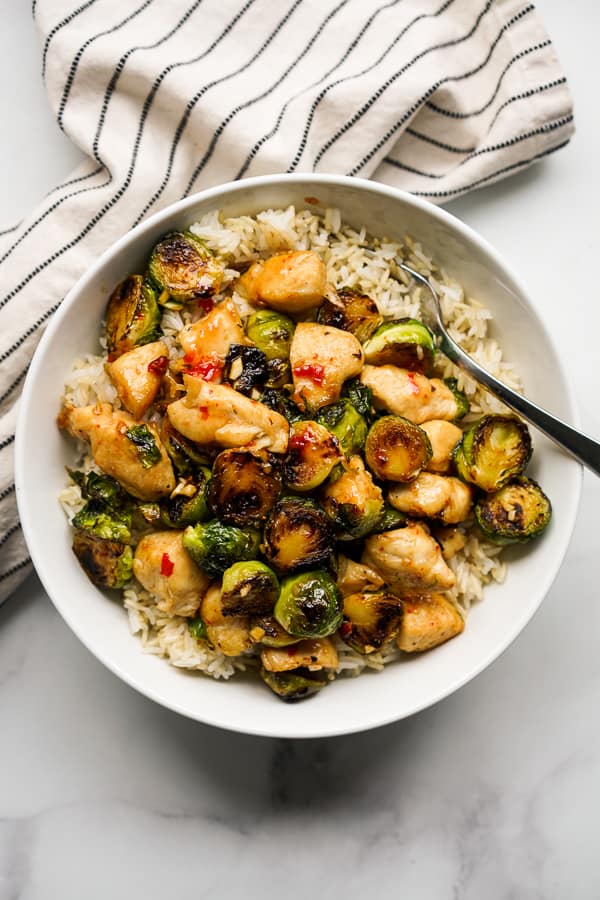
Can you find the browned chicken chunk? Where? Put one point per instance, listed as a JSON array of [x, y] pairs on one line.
[[433, 496], [322, 358], [214, 334], [137, 376], [229, 634], [409, 560], [443, 436], [313, 654], [163, 566], [292, 282], [427, 622], [409, 394]]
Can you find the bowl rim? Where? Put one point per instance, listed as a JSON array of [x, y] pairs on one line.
[[180, 207]]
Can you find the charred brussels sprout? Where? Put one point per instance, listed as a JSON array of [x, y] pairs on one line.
[[132, 316], [215, 547], [517, 512], [313, 451], [348, 426], [390, 518], [249, 589], [186, 456], [245, 367], [107, 563], [280, 401], [197, 628], [189, 506], [407, 343], [360, 396], [267, 630], [244, 486], [493, 451], [272, 333], [351, 311], [108, 511], [462, 403], [396, 449], [309, 605], [298, 533], [295, 685], [370, 620], [183, 269], [353, 502]]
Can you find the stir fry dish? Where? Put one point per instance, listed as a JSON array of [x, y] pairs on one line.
[[276, 473]]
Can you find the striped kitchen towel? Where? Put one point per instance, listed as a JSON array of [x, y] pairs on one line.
[[166, 97]]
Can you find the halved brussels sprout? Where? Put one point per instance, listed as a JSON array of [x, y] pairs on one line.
[[272, 333], [189, 505], [245, 367], [406, 343], [295, 685], [390, 518], [370, 620], [360, 396], [107, 563], [280, 401], [249, 589], [313, 451], [215, 547], [353, 502], [343, 420], [309, 605], [132, 316], [267, 630], [108, 511], [517, 512], [244, 486], [184, 269], [279, 373], [396, 449], [186, 456], [493, 451], [462, 402], [298, 533], [351, 311]]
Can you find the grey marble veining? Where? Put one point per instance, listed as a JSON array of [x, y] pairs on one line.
[[493, 794]]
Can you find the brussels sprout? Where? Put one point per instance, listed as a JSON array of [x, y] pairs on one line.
[[281, 402], [186, 456], [149, 510], [267, 630], [309, 605], [353, 502], [360, 396], [279, 373], [343, 420], [197, 628], [249, 589], [351, 311], [406, 343], [272, 333], [295, 685], [189, 505], [396, 449], [145, 444], [244, 486], [517, 512], [107, 563], [493, 451], [245, 367], [370, 620], [313, 451], [462, 402], [108, 512], [132, 316], [390, 518], [184, 269], [298, 533], [215, 547]]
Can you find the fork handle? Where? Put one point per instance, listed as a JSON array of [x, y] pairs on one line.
[[583, 448]]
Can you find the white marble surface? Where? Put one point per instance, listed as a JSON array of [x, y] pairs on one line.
[[491, 794]]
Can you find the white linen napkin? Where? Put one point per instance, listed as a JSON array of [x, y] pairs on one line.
[[167, 97]]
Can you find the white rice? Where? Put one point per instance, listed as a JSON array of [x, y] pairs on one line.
[[350, 263]]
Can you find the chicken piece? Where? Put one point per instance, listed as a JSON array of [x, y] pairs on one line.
[[322, 358], [451, 540], [409, 394], [443, 437], [213, 335], [229, 634], [217, 414], [163, 566], [427, 622], [354, 578], [106, 430], [134, 377], [436, 496], [311, 654], [291, 282], [409, 560]]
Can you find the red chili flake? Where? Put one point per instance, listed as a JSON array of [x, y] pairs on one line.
[[166, 565], [346, 629], [313, 371], [414, 387], [203, 410], [209, 368], [159, 365], [206, 304]]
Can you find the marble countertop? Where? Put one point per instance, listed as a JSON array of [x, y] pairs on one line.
[[493, 793]]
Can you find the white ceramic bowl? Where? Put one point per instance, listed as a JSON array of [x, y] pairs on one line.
[[349, 704]]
